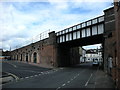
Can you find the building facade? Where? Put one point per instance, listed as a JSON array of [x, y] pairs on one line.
[[82, 53], [46, 53], [93, 54], [117, 58]]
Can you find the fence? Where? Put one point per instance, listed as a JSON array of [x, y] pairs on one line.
[[34, 39]]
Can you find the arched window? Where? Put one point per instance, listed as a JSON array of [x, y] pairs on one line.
[[26, 57], [35, 57]]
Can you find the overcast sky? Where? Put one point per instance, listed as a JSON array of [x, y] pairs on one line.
[[21, 21]]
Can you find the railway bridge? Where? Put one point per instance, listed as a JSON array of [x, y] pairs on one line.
[[62, 48]]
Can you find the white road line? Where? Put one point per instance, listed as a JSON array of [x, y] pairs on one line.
[[16, 78], [30, 71], [31, 76], [12, 64], [68, 81], [39, 74], [71, 79], [88, 80], [61, 68], [36, 75], [94, 84], [58, 88], [26, 77], [64, 84]]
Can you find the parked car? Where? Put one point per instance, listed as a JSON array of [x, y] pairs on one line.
[[95, 62]]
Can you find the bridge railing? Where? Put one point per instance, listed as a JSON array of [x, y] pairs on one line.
[[82, 25], [89, 28], [34, 39]]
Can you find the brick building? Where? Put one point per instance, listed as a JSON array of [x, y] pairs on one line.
[[109, 39], [117, 19], [112, 42]]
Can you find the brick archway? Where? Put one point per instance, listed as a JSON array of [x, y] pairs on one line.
[[27, 57], [35, 57]]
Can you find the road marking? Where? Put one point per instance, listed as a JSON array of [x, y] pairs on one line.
[[16, 78], [88, 80], [12, 64], [68, 81], [75, 76], [26, 77], [58, 88], [39, 74], [30, 71], [61, 68], [71, 79], [35, 75], [95, 85], [31, 76], [64, 84]]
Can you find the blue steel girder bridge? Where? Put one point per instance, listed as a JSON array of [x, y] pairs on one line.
[[86, 33]]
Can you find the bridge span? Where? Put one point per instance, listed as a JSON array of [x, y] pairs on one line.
[[86, 33]]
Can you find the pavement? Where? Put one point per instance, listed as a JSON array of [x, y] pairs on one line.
[[101, 80]]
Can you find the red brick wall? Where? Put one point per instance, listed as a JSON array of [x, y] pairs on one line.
[[48, 55], [117, 18]]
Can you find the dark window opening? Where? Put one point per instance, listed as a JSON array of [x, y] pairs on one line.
[[35, 57], [26, 57], [110, 35]]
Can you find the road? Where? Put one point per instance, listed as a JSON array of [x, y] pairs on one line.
[[80, 76], [21, 70]]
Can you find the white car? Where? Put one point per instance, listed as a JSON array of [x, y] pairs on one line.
[[95, 62]]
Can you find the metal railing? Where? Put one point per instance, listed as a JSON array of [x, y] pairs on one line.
[[34, 39], [81, 25]]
